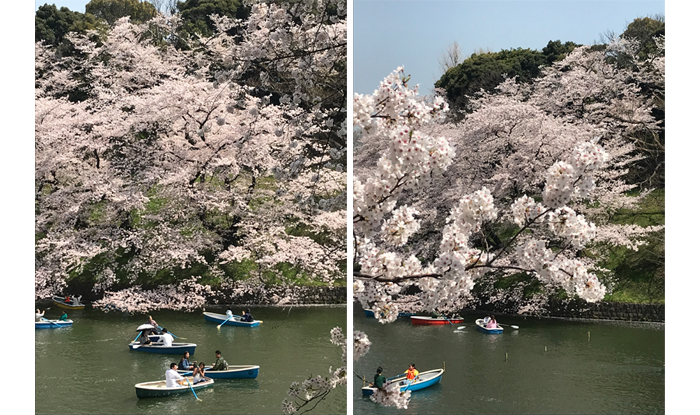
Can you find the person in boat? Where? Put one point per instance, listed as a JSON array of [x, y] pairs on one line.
[[247, 316], [76, 300], [229, 314], [67, 300], [172, 378], [220, 363], [198, 374], [152, 322], [144, 339], [39, 315], [411, 373], [185, 364], [379, 379], [64, 317], [491, 324], [167, 338]]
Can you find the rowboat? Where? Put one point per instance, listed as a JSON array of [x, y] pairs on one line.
[[52, 324], [482, 327], [158, 388], [233, 372], [236, 320], [157, 344], [422, 381], [441, 320], [74, 304], [370, 313]]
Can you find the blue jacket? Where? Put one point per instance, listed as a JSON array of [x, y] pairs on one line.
[[184, 364]]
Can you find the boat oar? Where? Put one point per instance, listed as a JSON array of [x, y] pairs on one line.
[[219, 326], [191, 388], [360, 377], [173, 334], [509, 325], [448, 320], [45, 319]]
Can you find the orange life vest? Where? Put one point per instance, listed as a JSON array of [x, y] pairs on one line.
[[410, 374]]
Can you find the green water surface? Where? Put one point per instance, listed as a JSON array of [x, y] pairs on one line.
[[551, 366], [89, 369]]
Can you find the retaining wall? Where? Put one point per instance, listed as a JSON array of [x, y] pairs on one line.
[[608, 311]]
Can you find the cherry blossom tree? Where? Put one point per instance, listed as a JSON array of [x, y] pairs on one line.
[[525, 185], [161, 163]]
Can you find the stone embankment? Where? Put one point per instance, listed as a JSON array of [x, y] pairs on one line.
[[608, 311]]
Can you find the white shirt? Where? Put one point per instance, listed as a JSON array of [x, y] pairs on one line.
[[170, 377], [167, 339], [229, 314]]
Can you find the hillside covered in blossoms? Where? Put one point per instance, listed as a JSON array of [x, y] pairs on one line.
[[185, 158]]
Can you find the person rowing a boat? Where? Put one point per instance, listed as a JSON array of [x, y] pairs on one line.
[[64, 317], [491, 323], [152, 322], [379, 379], [247, 316], [411, 373], [39, 315], [220, 363], [167, 338], [172, 378], [229, 314]]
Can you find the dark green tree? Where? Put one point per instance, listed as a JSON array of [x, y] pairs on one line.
[[556, 51], [113, 10], [52, 24], [195, 14], [486, 71]]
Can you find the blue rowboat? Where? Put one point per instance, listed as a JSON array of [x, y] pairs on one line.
[[157, 388], [52, 324], [422, 381], [482, 327], [157, 343], [236, 321], [370, 313], [233, 372]]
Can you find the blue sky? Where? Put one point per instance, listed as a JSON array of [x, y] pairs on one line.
[[75, 5], [389, 33]]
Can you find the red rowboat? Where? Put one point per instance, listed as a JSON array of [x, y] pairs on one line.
[[425, 320]]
